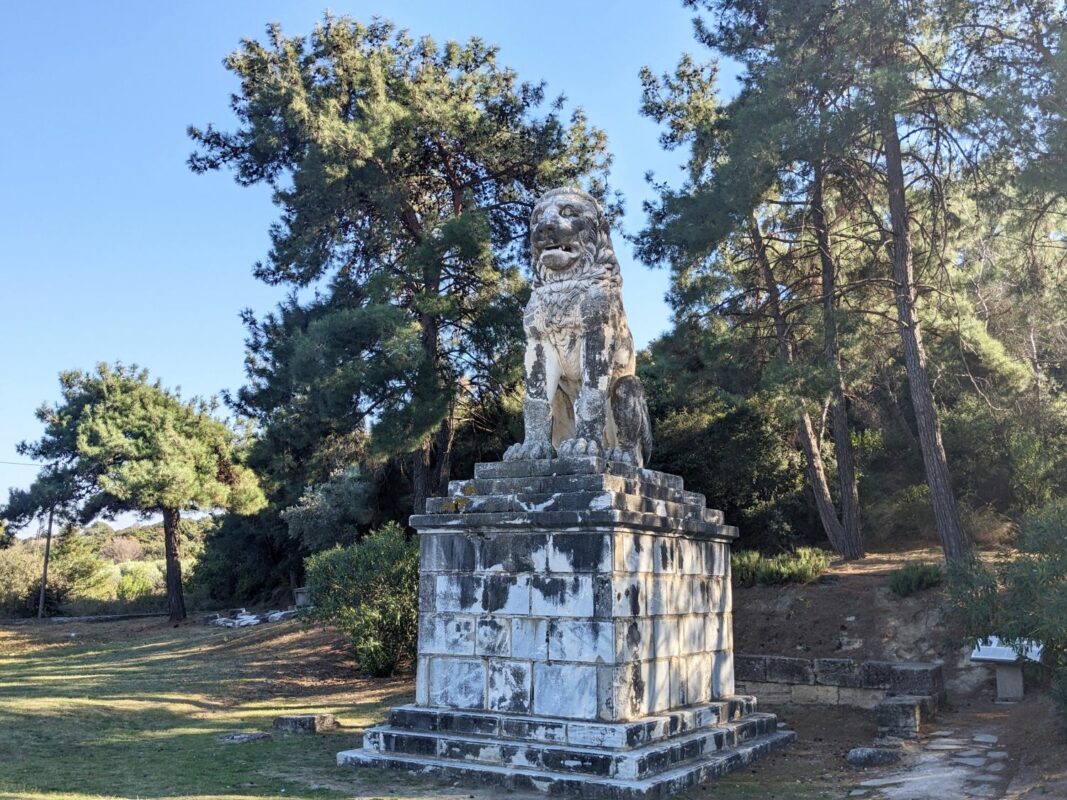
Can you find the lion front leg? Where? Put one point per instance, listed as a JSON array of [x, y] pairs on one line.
[[591, 408], [542, 378]]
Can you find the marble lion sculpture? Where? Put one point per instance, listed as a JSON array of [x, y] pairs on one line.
[[582, 396]]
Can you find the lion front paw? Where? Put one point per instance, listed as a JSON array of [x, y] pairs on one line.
[[528, 451], [623, 455], [579, 447]]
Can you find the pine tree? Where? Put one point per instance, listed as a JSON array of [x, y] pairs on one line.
[[405, 172], [117, 442]]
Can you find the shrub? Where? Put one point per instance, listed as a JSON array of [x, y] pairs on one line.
[[138, 580], [805, 565], [915, 576], [369, 591], [1022, 598], [20, 575]]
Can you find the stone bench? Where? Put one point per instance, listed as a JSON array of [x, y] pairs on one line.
[[1009, 664]]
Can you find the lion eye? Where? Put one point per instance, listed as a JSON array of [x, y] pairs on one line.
[[567, 211]]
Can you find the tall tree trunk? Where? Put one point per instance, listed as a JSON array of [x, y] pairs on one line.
[[805, 430], [172, 546], [946, 514], [44, 570], [852, 543]]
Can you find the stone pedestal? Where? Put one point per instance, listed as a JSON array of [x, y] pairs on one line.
[[575, 636]]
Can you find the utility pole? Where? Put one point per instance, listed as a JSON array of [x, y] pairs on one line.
[[47, 553]]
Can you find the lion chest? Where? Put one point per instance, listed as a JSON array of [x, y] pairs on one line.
[[555, 318]]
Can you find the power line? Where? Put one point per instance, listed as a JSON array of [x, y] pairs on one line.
[[21, 464]]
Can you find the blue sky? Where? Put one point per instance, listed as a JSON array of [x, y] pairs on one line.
[[111, 249]]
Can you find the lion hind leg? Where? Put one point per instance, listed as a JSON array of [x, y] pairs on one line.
[[633, 429]]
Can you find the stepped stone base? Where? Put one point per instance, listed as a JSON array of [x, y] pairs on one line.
[[653, 757], [575, 637]]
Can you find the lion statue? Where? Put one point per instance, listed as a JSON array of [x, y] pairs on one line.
[[583, 397]]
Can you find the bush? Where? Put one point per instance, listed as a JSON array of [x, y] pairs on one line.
[[1023, 598], [20, 576], [751, 568], [138, 580], [369, 591], [915, 576]]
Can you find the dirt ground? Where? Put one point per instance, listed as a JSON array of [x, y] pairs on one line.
[[851, 613]]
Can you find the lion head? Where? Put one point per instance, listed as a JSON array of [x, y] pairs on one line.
[[570, 238]]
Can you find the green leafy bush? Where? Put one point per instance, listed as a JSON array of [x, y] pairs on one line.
[[20, 575], [1022, 598], [915, 576], [805, 565], [369, 591], [138, 580]]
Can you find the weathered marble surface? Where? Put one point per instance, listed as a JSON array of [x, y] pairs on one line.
[[600, 592], [582, 394], [575, 636]]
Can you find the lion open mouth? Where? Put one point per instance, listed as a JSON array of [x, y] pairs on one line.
[[559, 256]]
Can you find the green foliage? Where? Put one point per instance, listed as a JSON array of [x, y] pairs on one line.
[[405, 170], [974, 104], [334, 512], [805, 565], [116, 442], [1022, 598], [369, 591], [138, 580], [915, 576], [20, 577], [733, 449], [75, 570]]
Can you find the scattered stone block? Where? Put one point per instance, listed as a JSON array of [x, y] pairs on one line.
[[872, 756], [305, 723], [903, 715], [238, 737]]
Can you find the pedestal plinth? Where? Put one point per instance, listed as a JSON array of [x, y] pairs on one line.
[[575, 635]]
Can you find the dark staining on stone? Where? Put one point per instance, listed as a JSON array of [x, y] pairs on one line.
[[637, 686], [468, 591], [554, 589], [510, 553], [602, 597], [633, 635], [457, 552], [495, 592], [705, 595], [584, 552], [634, 594], [535, 381], [665, 556]]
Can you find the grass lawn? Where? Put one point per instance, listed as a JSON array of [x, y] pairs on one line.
[[134, 709]]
